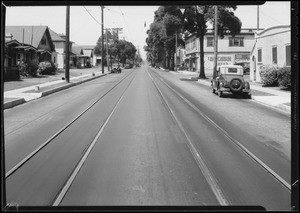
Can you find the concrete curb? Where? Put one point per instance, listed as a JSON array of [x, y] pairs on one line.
[[10, 104], [57, 89]]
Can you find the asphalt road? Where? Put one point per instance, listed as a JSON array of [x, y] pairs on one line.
[[145, 137]]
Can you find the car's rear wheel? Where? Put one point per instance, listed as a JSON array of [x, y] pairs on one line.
[[236, 85]]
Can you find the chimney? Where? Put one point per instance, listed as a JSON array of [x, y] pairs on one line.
[[9, 36]]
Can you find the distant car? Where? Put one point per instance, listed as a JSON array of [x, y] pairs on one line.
[[246, 67], [116, 70], [128, 66], [229, 78]]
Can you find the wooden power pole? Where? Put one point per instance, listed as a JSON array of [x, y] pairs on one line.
[[215, 43], [102, 41], [67, 47]]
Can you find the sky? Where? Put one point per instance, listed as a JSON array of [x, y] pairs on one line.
[[85, 21]]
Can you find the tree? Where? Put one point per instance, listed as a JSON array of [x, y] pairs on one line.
[[112, 42], [197, 17], [162, 34]]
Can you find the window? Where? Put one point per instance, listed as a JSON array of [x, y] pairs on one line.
[[232, 70], [288, 55], [210, 42], [43, 41], [274, 55], [193, 43], [236, 42], [259, 55]]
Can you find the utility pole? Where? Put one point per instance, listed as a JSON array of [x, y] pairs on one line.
[[102, 41], [257, 18], [176, 52], [107, 57], [67, 47], [215, 42]]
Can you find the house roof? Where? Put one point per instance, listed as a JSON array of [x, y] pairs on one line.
[[31, 35], [55, 36], [244, 31], [283, 27], [76, 49]]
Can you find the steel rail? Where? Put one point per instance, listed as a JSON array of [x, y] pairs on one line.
[[22, 162], [77, 168], [237, 143], [209, 176]]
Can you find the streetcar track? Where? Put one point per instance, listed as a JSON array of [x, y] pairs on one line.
[[22, 162], [88, 149], [45, 114], [211, 180], [236, 142]]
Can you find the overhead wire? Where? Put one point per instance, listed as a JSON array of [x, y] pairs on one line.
[[91, 15]]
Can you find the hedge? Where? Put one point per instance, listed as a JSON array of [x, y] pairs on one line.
[[268, 74], [272, 75], [284, 77]]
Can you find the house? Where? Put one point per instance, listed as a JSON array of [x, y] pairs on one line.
[[88, 50], [14, 53], [59, 41], [37, 38], [272, 46], [231, 50], [79, 59]]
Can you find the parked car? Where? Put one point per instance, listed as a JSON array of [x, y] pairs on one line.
[[116, 70], [128, 66], [246, 67], [229, 78]]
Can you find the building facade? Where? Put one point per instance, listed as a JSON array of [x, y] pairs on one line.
[[272, 47], [231, 50]]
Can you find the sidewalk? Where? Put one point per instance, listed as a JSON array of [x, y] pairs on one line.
[[19, 96], [269, 96]]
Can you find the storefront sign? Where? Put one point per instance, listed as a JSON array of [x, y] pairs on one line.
[[242, 58], [222, 60]]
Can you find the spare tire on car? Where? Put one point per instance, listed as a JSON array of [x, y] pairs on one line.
[[236, 85]]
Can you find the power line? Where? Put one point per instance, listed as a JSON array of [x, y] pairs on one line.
[[91, 15], [271, 18], [126, 23]]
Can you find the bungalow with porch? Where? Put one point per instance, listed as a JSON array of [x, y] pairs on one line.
[[88, 50], [14, 53], [80, 59], [37, 37]]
